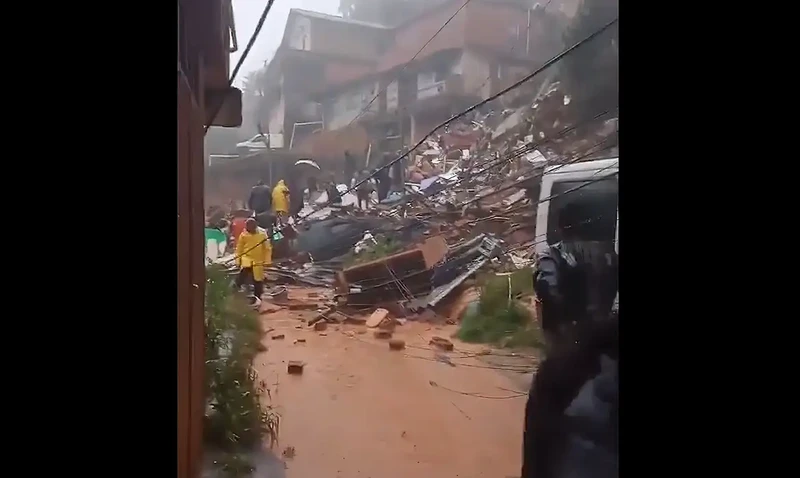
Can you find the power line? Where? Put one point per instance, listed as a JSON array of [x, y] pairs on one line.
[[556, 168], [410, 61], [547, 64], [523, 150], [528, 179], [510, 51], [246, 52]]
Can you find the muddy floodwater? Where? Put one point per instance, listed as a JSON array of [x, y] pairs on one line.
[[360, 410]]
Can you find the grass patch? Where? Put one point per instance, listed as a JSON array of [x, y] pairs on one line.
[[236, 419], [499, 317]]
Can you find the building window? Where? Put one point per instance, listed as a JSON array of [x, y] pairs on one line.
[[441, 73]]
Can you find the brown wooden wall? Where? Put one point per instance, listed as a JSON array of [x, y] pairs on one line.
[[191, 282]]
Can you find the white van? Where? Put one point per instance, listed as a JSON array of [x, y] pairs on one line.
[[595, 183]]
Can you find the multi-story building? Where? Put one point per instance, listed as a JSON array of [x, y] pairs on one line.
[[370, 84], [317, 51]]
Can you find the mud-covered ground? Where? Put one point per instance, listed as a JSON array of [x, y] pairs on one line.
[[360, 410]]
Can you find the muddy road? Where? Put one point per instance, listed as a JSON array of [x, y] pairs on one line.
[[360, 410]]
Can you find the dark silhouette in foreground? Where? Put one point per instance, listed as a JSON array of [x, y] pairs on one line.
[[575, 279], [571, 418]]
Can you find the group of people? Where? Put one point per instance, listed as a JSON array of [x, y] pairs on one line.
[[379, 182], [571, 417], [271, 208]]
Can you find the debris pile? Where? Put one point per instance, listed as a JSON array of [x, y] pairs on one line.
[[469, 205]]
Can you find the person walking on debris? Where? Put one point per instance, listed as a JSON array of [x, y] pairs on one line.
[[575, 279], [571, 418], [364, 190], [253, 253], [280, 202], [260, 199]]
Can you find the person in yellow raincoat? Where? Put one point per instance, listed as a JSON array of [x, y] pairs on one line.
[[280, 201], [253, 253]]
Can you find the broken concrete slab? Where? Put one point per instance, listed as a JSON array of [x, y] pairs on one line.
[[377, 317]]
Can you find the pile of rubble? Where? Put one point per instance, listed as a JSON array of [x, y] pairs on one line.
[[469, 204]]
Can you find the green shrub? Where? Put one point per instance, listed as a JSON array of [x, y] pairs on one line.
[[499, 318], [236, 420]]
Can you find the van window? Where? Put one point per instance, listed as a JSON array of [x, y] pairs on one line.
[[599, 200]]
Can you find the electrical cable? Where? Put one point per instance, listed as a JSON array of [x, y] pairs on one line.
[[509, 52], [519, 152], [546, 65], [555, 168], [528, 179], [510, 155], [239, 63]]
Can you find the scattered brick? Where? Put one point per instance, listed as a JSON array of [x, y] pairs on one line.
[[295, 367], [396, 344], [441, 343]]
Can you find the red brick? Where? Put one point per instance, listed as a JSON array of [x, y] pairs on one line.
[[396, 344], [295, 367]]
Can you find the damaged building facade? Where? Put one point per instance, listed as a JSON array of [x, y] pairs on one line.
[[337, 84]]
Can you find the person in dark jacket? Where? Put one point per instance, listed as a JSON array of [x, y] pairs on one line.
[[384, 183], [260, 202], [260, 199], [296, 193], [350, 166], [575, 279], [572, 413]]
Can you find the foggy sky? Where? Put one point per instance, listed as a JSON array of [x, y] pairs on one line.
[[246, 14]]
